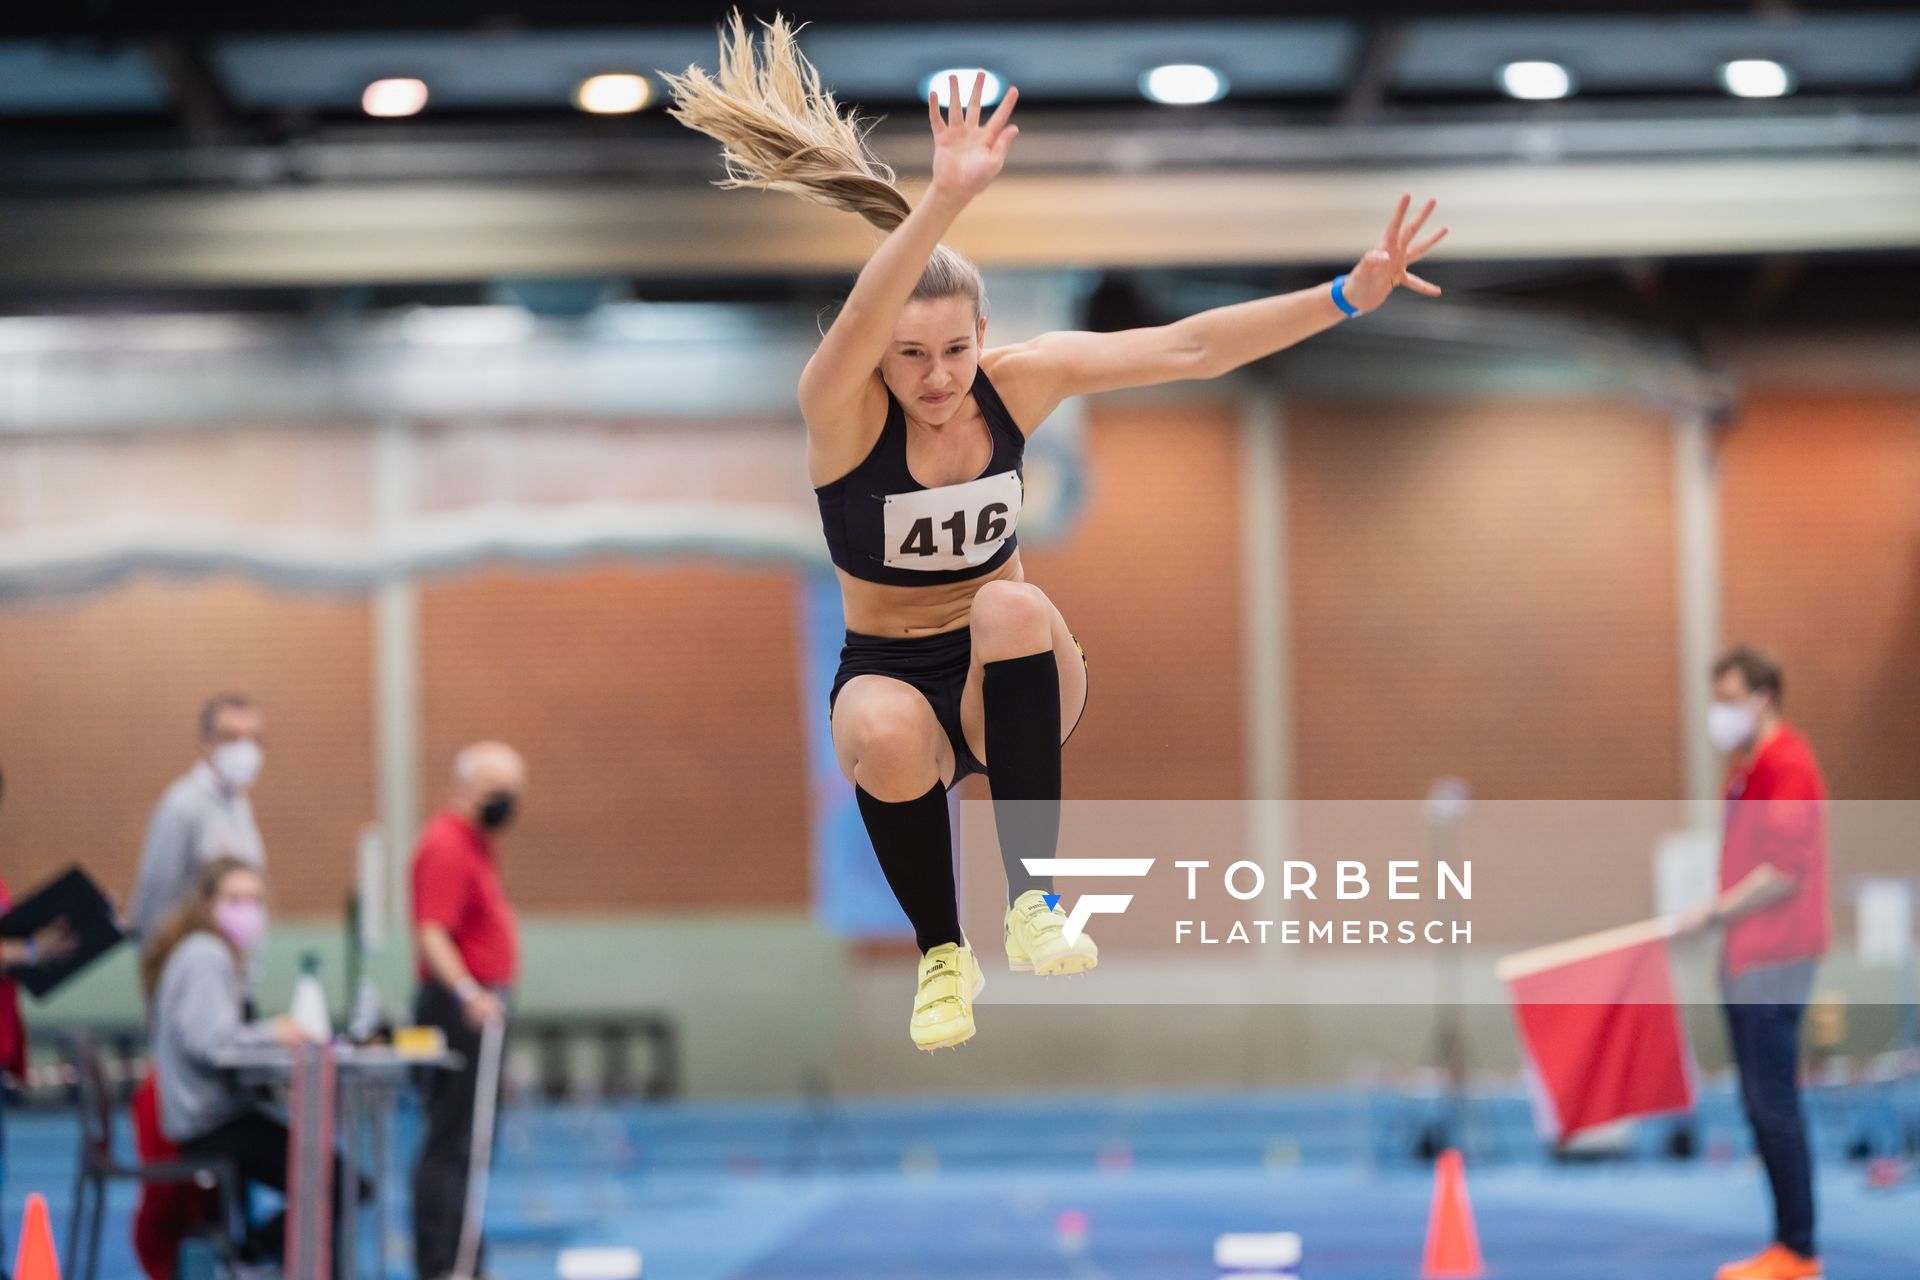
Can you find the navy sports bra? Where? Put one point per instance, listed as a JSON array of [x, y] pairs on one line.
[[884, 526]]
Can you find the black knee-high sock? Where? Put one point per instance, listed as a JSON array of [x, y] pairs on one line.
[[915, 847], [1022, 702]]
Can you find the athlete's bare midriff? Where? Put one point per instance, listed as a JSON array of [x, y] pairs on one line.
[[885, 609], [877, 609]]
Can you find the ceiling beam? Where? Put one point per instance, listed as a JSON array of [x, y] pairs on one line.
[[1372, 71], [1061, 141], [340, 233], [200, 101]]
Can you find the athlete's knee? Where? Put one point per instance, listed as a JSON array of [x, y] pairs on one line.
[[1011, 612], [893, 745]]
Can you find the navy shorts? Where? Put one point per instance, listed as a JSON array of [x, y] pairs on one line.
[[936, 665]]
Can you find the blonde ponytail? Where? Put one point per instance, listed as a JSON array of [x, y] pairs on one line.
[[780, 130]]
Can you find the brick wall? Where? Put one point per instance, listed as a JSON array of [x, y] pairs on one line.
[[99, 698], [1482, 589], [1479, 589], [1820, 511], [658, 711], [1149, 581]]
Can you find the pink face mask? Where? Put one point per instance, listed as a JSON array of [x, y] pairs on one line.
[[243, 922]]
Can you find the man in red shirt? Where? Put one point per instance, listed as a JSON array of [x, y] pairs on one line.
[[468, 951], [1773, 903]]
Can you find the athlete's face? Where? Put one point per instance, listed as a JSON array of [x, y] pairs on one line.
[[935, 352]]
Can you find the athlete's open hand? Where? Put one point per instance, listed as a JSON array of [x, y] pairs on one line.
[[968, 151], [1385, 265]]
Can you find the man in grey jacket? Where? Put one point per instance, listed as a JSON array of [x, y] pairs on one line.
[[205, 814]]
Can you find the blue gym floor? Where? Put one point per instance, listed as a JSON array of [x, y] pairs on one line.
[[975, 1189]]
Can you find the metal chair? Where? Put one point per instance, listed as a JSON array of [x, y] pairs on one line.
[[99, 1166]]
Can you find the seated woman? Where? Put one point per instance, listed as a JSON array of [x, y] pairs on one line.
[[194, 972]]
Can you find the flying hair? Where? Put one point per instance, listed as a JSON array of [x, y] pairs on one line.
[[779, 129]]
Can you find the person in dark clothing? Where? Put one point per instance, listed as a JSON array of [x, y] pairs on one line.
[[1773, 903], [467, 945]]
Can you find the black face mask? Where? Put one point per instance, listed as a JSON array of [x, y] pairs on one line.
[[496, 811]]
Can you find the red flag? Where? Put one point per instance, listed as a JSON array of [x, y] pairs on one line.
[[1601, 1031]]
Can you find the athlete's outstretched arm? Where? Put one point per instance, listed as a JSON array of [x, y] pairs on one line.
[[1053, 366], [967, 155]]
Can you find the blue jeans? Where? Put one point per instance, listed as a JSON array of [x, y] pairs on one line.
[[1763, 1026]]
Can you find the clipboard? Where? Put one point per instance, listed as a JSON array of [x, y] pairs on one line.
[[91, 918]]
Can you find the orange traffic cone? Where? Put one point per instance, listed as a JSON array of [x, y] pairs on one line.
[[1453, 1247], [36, 1259]]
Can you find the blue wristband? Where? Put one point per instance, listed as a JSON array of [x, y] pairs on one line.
[[1340, 298]]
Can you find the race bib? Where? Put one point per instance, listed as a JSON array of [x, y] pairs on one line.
[[956, 526]]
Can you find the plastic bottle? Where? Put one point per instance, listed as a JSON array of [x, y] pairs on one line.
[[310, 1001]]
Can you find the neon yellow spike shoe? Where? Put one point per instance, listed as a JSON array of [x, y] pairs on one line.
[[950, 978], [1037, 940]]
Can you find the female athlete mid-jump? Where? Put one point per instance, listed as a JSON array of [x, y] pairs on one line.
[[954, 663]]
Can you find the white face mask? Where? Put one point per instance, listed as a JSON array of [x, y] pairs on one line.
[[1731, 725], [238, 763]]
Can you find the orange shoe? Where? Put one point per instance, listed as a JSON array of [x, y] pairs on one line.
[[1776, 1262]]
